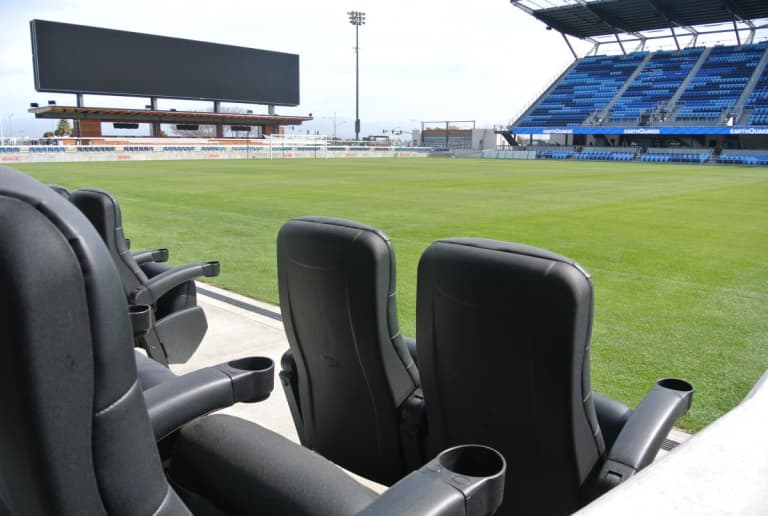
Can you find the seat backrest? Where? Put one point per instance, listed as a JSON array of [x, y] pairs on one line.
[[103, 211], [503, 335], [75, 436], [337, 297]]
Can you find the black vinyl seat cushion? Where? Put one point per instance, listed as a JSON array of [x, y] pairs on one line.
[[349, 369], [503, 332]]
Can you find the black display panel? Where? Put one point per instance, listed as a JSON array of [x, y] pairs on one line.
[[78, 59]]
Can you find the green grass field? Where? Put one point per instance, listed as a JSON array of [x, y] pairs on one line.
[[677, 253]]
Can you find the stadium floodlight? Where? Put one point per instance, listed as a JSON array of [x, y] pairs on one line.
[[357, 18]]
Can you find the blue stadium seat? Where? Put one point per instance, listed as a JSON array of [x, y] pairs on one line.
[[589, 86], [719, 82], [658, 81]]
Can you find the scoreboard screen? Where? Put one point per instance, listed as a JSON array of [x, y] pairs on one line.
[[79, 59]]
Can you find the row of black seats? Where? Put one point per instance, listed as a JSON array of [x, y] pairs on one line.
[[79, 435], [501, 358], [175, 326]]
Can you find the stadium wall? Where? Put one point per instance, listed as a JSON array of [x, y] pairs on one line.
[[42, 154]]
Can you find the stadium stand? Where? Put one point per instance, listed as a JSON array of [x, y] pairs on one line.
[[720, 82], [47, 149], [664, 156], [92, 148], [177, 148], [744, 157], [588, 87], [554, 154], [602, 155], [658, 81], [684, 95], [757, 104], [713, 91]]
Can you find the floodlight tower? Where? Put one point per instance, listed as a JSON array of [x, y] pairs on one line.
[[357, 18]]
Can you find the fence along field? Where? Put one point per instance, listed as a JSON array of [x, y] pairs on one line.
[[677, 253]]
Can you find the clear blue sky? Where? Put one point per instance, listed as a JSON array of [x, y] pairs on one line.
[[419, 60]]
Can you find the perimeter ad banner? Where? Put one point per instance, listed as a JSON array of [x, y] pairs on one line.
[[652, 131]]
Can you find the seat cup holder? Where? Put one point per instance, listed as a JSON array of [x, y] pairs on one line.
[[477, 471], [253, 378], [466, 480], [472, 460], [141, 319], [676, 392], [211, 268], [675, 384]]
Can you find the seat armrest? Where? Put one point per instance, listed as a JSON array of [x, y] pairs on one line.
[[178, 401], [150, 372], [466, 480], [165, 281], [644, 432], [243, 468], [151, 255]]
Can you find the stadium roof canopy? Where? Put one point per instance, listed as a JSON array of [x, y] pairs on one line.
[[602, 21]]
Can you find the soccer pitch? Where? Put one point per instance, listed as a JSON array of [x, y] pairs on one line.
[[677, 253]]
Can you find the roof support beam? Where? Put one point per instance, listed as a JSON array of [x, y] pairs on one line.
[[674, 36], [569, 45], [621, 45]]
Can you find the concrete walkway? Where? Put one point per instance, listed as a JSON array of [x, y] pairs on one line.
[[250, 329]]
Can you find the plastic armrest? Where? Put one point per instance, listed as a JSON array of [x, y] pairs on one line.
[[165, 281], [644, 432], [467, 480], [151, 372], [179, 400], [151, 255]]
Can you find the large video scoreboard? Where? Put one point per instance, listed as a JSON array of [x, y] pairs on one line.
[[79, 59]]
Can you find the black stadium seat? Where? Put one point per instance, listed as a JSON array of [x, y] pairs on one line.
[[348, 369], [75, 437], [503, 335], [79, 437], [178, 325]]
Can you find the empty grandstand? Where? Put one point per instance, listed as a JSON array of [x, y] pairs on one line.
[[687, 103]]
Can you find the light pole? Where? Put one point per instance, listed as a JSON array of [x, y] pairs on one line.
[[10, 130], [357, 18]]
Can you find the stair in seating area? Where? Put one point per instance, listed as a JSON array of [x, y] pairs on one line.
[[607, 109], [684, 85], [752, 81]]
